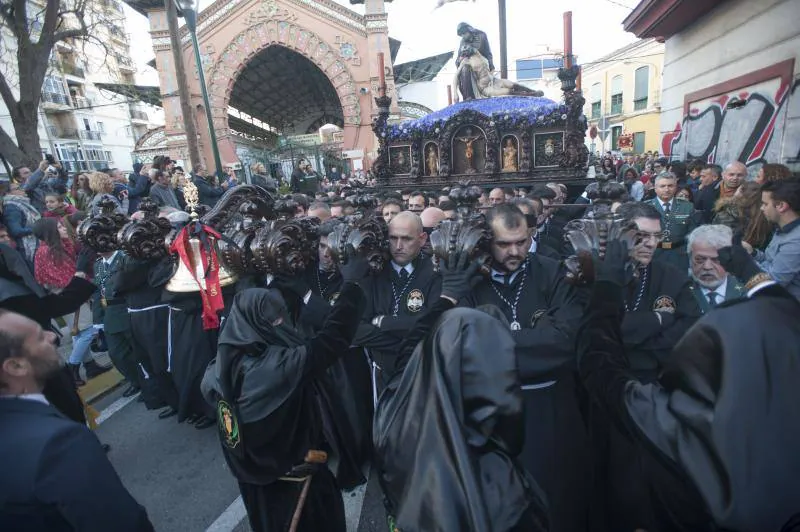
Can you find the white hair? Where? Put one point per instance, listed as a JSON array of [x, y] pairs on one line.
[[716, 236]]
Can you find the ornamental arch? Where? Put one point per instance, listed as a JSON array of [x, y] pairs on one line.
[[293, 64]]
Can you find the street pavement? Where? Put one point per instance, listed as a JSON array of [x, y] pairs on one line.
[[179, 474]]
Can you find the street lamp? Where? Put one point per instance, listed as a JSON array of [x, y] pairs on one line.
[[188, 10]]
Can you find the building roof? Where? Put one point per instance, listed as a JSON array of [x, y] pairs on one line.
[[661, 19], [425, 69]]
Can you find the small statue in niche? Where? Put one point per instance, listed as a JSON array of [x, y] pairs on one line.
[[469, 152], [433, 160], [549, 147], [510, 156]]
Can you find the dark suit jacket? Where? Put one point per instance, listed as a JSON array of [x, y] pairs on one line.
[[704, 201], [733, 291], [56, 476]]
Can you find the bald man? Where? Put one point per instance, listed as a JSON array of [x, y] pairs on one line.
[[497, 197], [732, 178], [398, 295], [431, 217]]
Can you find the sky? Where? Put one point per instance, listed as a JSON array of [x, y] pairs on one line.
[[533, 25]]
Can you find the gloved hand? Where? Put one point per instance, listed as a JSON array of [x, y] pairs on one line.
[[737, 261], [459, 276], [614, 267], [292, 284], [355, 270], [85, 260]]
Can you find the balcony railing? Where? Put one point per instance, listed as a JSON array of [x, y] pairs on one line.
[[124, 62], [60, 133], [90, 135], [73, 70], [81, 102], [138, 115], [55, 97]]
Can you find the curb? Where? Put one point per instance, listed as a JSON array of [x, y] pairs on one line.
[[100, 386]]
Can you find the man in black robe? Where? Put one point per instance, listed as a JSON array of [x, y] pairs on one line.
[[397, 297], [263, 387], [659, 307], [718, 433], [542, 312]]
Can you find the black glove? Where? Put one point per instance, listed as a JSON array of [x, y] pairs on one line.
[[459, 276], [85, 260], [355, 270], [614, 267], [737, 261], [291, 284]]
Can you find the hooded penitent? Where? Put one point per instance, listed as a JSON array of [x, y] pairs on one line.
[[447, 429]]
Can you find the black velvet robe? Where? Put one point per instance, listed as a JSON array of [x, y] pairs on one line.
[[447, 430], [718, 433]]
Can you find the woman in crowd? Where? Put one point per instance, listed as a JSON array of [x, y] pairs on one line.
[[57, 206], [18, 217], [773, 172], [102, 188], [742, 213], [80, 193]]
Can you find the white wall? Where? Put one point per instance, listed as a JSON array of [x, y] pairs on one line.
[[737, 38], [431, 94]]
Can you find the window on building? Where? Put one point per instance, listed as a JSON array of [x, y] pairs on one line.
[[616, 95], [108, 156], [641, 89], [101, 127], [638, 142], [596, 97], [616, 132], [87, 125]]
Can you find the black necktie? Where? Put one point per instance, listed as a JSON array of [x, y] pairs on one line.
[[667, 208], [712, 298], [403, 275]]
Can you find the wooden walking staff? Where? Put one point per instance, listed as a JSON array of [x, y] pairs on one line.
[[313, 457]]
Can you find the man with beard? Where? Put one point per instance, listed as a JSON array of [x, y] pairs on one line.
[[56, 476], [542, 312], [398, 295], [659, 309], [712, 284]]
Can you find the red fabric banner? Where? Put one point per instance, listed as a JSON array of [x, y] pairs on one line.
[[211, 296]]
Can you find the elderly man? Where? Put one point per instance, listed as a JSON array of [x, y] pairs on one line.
[[732, 178], [677, 220], [711, 283], [56, 476]]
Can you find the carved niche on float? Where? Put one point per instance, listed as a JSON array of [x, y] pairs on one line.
[[547, 149], [510, 153], [469, 150], [431, 159], [400, 160]]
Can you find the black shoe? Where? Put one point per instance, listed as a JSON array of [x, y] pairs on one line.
[[106, 448], [93, 369], [194, 418], [167, 412], [76, 374], [131, 390], [204, 423]]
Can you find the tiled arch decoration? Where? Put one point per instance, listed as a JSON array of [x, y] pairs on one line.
[[236, 56]]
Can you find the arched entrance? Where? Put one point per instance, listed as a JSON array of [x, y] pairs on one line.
[[286, 90]]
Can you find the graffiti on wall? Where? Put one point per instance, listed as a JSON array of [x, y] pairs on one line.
[[754, 125]]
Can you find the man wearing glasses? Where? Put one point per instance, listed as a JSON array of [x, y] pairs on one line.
[[712, 285], [659, 308]]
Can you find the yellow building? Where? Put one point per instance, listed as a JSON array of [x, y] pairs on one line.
[[623, 98]]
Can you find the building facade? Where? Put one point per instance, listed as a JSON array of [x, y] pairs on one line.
[[540, 72], [731, 87], [82, 125], [623, 98]]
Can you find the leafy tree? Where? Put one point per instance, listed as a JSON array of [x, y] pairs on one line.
[[29, 32]]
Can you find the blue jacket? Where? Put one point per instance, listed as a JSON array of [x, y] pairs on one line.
[[56, 476]]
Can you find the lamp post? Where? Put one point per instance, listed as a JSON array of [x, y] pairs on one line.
[[188, 10]]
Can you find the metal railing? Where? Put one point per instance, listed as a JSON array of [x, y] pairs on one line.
[[124, 61], [90, 135], [81, 102], [138, 115], [60, 133], [55, 97], [73, 70]]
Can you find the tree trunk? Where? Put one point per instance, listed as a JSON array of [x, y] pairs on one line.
[[189, 124]]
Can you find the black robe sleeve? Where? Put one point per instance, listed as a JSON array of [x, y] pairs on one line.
[[336, 336]]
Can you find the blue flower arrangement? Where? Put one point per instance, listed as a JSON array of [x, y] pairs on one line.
[[506, 112]]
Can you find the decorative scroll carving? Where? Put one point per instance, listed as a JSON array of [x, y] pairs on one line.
[[145, 239], [100, 232], [576, 154]]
